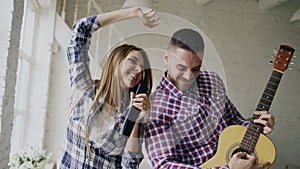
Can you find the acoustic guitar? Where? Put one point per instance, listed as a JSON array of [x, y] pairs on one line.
[[250, 139]]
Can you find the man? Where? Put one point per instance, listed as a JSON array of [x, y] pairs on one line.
[[190, 109]]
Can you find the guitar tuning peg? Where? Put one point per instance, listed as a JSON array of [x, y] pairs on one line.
[[271, 62], [292, 62], [294, 56], [290, 69], [273, 56], [275, 51]]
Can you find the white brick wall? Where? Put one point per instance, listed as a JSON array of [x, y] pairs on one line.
[[58, 104], [11, 20], [244, 37]]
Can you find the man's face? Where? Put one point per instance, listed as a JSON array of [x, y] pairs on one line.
[[183, 66]]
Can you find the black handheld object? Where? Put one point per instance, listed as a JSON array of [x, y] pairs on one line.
[[133, 113]]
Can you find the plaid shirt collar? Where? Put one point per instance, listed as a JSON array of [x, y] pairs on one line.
[[167, 85]]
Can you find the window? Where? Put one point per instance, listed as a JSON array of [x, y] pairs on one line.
[[23, 75]]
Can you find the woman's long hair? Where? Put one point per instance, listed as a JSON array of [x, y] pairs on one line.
[[109, 84]]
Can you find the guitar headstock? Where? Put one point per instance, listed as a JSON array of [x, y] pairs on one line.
[[283, 57]]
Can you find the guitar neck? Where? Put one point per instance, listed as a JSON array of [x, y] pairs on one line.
[[269, 92], [252, 133]]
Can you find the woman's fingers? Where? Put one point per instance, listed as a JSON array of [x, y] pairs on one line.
[[149, 18], [141, 101], [142, 106], [150, 13]]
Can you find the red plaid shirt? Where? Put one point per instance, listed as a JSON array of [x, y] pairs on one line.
[[184, 128]]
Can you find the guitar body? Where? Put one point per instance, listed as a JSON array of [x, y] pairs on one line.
[[229, 142], [249, 139]]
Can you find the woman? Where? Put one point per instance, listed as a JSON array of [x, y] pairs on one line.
[[93, 138]]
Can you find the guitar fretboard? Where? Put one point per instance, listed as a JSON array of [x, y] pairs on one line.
[[253, 130]]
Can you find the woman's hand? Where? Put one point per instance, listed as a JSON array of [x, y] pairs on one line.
[[141, 101], [147, 18]]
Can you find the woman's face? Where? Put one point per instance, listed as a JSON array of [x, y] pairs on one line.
[[131, 69]]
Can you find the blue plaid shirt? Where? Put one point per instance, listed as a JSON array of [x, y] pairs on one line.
[[107, 150], [184, 127]]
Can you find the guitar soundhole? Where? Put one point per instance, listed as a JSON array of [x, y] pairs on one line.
[[235, 148]]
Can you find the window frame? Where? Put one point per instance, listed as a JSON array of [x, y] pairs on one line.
[[26, 61]]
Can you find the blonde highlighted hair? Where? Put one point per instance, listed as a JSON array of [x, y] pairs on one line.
[[109, 83]]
